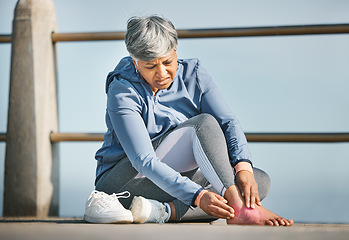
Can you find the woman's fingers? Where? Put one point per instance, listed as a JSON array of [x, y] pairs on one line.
[[222, 204], [254, 197], [248, 188], [220, 198], [216, 206], [220, 207], [247, 196], [258, 201], [221, 213]]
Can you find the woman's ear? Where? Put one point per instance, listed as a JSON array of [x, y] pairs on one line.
[[135, 63]]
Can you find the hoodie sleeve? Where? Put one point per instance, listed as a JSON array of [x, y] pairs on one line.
[[213, 103], [124, 107]]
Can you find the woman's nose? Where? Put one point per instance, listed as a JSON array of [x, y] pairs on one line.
[[162, 72]]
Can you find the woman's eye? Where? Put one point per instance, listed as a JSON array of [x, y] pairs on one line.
[[167, 63], [150, 67]]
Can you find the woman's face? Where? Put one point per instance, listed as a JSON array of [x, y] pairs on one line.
[[159, 73]]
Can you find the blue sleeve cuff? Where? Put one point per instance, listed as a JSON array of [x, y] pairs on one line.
[[195, 196], [242, 160]]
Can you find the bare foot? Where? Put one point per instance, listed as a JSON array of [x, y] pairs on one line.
[[257, 216]]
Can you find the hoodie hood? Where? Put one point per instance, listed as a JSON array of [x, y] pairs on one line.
[[125, 70]]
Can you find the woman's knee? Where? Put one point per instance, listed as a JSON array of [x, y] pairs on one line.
[[205, 120], [209, 131], [205, 125]]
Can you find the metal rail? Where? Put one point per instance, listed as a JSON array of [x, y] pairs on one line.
[[251, 137], [215, 32], [207, 33], [5, 38], [73, 137], [2, 137]]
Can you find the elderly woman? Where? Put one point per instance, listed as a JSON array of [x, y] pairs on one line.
[[172, 141]]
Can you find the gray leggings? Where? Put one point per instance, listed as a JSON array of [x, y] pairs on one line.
[[219, 175]]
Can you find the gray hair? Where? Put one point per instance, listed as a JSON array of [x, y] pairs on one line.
[[149, 38]]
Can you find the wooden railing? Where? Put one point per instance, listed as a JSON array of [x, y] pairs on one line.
[[207, 33], [251, 137]]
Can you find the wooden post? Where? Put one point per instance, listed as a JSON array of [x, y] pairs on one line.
[[32, 164]]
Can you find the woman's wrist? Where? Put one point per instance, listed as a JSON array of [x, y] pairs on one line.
[[198, 198], [243, 166]]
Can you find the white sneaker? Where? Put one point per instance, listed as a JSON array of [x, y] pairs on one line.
[[104, 208], [148, 211]]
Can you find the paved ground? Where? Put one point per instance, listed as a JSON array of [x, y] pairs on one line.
[[76, 229]]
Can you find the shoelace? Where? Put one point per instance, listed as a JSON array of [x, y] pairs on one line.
[[120, 195], [104, 196]]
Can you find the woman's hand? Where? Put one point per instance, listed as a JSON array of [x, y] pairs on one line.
[[249, 189], [216, 205]]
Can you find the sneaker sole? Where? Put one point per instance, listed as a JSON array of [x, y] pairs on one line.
[[118, 219], [141, 209]]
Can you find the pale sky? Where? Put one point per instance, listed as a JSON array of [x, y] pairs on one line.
[[272, 84]]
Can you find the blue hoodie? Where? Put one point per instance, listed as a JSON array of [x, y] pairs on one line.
[[135, 117]]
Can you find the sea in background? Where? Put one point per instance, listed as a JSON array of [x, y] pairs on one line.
[[272, 84]]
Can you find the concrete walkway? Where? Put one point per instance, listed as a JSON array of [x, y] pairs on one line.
[[62, 229]]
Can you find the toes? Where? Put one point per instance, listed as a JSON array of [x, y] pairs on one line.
[[272, 222], [290, 222], [269, 222], [281, 221], [287, 222]]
